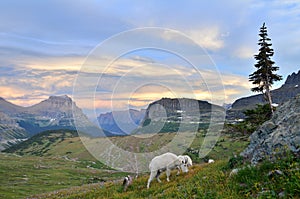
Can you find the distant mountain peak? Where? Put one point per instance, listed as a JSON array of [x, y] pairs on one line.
[[121, 122], [292, 79], [286, 92], [61, 97], [56, 112], [54, 102]]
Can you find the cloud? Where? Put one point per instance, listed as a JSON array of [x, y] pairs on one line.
[[39, 54], [30, 85], [208, 37], [44, 45], [245, 52], [129, 82], [133, 89]]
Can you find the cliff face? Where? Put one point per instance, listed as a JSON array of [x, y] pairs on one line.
[[182, 110], [280, 133], [288, 90]]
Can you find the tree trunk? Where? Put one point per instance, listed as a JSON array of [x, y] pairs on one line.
[[269, 98]]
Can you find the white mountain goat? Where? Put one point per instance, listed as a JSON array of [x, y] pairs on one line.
[[165, 162], [210, 161], [187, 160]]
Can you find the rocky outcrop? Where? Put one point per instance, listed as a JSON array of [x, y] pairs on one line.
[[288, 90], [278, 135], [182, 108], [292, 80], [164, 115], [180, 115]]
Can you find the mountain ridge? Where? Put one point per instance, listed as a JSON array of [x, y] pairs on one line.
[[174, 108], [290, 89], [56, 112], [6, 106]]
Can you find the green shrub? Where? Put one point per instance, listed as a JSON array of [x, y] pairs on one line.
[[253, 119], [235, 161]]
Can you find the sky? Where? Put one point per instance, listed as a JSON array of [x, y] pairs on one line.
[[114, 55]]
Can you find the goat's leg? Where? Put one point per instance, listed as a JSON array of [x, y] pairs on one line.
[[178, 170], [168, 172], [157, 176], [152, 175]]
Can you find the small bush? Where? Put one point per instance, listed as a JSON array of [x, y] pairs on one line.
[[235, 161], [253, 119]]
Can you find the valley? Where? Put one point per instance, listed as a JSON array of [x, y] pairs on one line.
[[55, 160]]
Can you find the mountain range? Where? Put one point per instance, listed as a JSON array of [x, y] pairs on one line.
[[18, 123], [288, 90], [57, 112], [121, 122]]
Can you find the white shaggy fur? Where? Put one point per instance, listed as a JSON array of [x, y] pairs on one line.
[[165, 162], [188, 161], [210, 161]]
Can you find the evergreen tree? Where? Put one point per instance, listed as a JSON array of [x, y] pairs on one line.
[[264, 76]]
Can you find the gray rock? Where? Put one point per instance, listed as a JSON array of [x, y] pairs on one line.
[[275, 173], [281, 194], [278, 135]]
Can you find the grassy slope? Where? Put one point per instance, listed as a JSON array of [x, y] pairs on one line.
[[203, 181], [49, 161], [226, 146], [52, 143], [27, 175], [57, 160], [66, 143]]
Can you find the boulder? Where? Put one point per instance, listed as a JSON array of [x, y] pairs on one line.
[[278, 135]]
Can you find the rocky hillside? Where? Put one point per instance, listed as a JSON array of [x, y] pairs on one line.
[[280, 133], [168, 115], [288, 90], [10, 131], [56, 112], [178, 108], [121, 122]]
